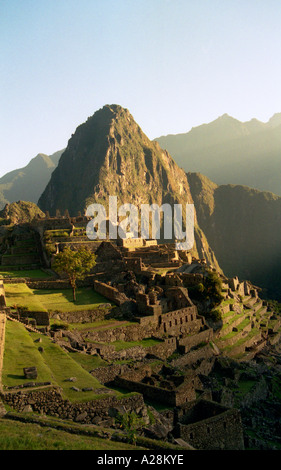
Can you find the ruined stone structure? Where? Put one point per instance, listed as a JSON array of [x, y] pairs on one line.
[[210, 426], [163, 387], [151, 288]]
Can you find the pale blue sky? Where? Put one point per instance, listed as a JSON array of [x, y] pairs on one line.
[[173, 63]]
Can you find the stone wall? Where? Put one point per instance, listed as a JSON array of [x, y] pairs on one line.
[[122, 333], [158, 394], [50, 402], [184, 320], [15, 280], [186, 278], [189, 342], [58, 283], [74, 244], [106, 375], [51, 224], [20, 260], [110, 292], [80, 316], [131, 243], [134, 264], [41, 318], [2, 295], [220, 432], [192, 357]]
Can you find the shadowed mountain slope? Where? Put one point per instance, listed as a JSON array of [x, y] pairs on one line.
[[243, 227]]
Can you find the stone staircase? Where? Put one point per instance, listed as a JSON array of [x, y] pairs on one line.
[[28, 327]]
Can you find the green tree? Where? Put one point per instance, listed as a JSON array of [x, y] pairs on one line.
[[131, 423], [76, 264], [213, 288]]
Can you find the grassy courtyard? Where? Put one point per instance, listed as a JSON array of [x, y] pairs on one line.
[[42, 300]]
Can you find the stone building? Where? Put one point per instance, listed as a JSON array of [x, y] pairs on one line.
[[208, 425]]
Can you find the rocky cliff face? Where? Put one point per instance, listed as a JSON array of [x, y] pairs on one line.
[[243, 227], [109, 155]]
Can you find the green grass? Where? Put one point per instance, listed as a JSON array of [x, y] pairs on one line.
[[42, 300], [21, 295], [63, 366], [250, 335], [15, 435], [88, 362], [239, 327], [21, 352], [100, 324], [61, 300], [227, 302], [53, 365], [244, 387], [25, 273]]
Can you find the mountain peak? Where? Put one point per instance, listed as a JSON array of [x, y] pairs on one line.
[[275, 120], [111, 155], [225, 116]]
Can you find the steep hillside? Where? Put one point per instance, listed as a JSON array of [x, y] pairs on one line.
[[243, 227], [229, 151], [28, 183], [20, 212], [109, 155]]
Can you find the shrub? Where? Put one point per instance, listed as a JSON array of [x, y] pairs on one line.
[[130, 422], [215, 315]]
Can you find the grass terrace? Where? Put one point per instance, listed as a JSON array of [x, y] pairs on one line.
[[21, 295], [43, 300], [87, 361], [25, 273], [15, 435], [61, 300], [97, 325], [144, 343], [53, 365]]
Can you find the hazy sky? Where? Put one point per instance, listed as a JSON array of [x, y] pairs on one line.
[[174, 64]]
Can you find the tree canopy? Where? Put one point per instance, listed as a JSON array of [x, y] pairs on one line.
[[76, 264]]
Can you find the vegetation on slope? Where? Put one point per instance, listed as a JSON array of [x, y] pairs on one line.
[[243, 228], [21, 212]]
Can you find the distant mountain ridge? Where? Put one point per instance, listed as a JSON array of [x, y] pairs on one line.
[[28, 183], [229, 151]]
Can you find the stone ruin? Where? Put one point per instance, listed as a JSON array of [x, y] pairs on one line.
[[160, 307]]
